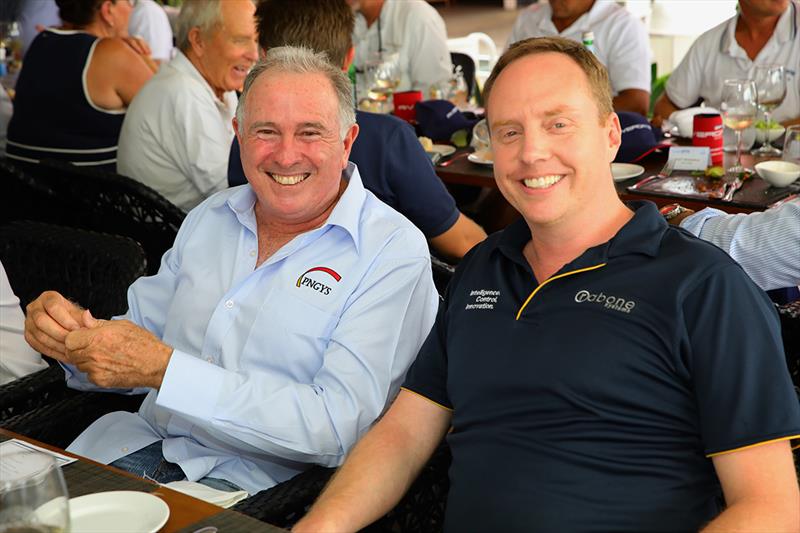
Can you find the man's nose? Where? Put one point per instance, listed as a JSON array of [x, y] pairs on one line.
[[536, 147], [287, 153]]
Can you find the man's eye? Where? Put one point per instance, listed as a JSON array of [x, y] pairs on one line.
[[309, 133]]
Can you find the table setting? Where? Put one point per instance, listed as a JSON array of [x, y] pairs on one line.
[[43, 490]]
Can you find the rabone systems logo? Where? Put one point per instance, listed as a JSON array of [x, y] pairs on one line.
[[311, 279], [609, 302]]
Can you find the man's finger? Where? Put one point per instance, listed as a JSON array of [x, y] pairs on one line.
[[78, 340]]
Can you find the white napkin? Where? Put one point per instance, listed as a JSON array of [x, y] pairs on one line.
[[206, 493], [684, 119]]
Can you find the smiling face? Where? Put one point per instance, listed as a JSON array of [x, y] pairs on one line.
[[226, 55], [551, 150], [292, 151]]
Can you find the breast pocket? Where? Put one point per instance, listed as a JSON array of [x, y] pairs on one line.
[[291, 335]]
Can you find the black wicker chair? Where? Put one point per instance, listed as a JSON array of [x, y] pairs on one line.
[[92, 269], [102, 201], [420, 511]]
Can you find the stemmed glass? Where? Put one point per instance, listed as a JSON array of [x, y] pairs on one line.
[[738, 113], [386, 78], [770, 83], [33, 495]]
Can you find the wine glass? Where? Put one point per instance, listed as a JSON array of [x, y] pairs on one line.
[[738, 113], [770, 83], [33, 495], [791, 144], [385, 78]]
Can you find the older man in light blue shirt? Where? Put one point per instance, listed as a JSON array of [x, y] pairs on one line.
[[285, 316]]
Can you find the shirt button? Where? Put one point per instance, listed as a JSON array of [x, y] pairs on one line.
[[125, 449], [229, 304], [252, 253]]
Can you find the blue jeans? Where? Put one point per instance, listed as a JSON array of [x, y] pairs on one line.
[[149, 463]]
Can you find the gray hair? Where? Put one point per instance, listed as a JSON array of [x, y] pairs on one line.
[[203, 14], [301, 60]]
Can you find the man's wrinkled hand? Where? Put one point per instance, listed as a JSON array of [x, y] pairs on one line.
[[118, 354], [48, 321]]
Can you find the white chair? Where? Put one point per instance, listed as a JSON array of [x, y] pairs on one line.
[[481, 48]]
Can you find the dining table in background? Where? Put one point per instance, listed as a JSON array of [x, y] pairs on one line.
[[186, 513], [494, 213]]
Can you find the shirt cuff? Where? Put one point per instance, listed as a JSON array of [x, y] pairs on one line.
[[694, 223], [190, 386]]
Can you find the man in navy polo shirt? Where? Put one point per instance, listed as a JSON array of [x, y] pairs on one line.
[[600, 369], [389, 157]]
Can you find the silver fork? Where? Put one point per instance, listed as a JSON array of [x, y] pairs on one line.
[[665, 172]]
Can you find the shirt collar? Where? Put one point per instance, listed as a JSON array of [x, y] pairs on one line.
[[642, 234], [785, 31], [181, 63], [346, 213], [584, 22]]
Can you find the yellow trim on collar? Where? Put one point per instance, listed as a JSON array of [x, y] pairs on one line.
[[548, 280]]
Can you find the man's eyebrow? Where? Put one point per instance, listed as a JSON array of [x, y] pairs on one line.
[[314, 125], [560, 110], [261, 124]]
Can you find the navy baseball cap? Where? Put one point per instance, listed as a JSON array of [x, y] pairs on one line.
[[439, 119], [639, 139]]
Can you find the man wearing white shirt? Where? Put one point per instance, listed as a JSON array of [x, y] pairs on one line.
[[177, 131], [150, 22], [766, 244], [412, 29], [282, 321], [17, 359], [764, 32], [620, 42]]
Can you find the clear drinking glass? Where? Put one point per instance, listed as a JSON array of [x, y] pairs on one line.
[[770, 83], [738, 113], [791, 144], [33, 497]]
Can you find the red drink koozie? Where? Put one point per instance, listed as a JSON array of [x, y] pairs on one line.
[[404, 105], [707, 131]]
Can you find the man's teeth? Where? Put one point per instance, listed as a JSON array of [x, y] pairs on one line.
[[288, 180], [543, 181]]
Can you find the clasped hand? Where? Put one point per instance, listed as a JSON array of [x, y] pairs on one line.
[[113, 353]]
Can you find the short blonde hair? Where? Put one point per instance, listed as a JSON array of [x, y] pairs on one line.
[[596, 73]]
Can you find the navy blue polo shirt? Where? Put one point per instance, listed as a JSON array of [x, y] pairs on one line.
[[592, 402], [394, 166]]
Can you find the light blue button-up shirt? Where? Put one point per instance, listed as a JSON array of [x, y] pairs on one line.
[[279, 365]]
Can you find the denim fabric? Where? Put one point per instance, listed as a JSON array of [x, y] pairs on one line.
[[149, 463]]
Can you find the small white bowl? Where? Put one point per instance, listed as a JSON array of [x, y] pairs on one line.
[[770, 134], [778, 173]]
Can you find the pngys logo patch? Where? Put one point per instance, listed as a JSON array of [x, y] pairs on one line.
[[312, 277]]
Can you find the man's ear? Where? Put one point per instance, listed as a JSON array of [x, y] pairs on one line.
[[349, 139], [614, 136], [197, 42]]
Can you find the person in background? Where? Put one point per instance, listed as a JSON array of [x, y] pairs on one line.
[[17, 359], [763, 32], [34, 16], [6, 111], [150, 22], [393, 165], [592, 367], [620, 42], [177, 133], [411, 28], [281, 322], [75, 85], [766, 244]]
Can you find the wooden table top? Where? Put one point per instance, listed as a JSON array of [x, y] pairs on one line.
[[751, 197], [185, 512]]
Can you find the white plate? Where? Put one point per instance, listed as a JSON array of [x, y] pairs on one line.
[[117, 512], [625, 171], [444, 149], [479, 160]]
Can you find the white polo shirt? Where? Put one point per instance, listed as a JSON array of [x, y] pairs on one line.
[[176, 136], [620, 39], [716, 56], [417, 32]]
